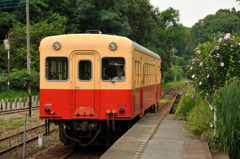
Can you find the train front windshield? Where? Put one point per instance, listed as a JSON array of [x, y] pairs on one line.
[[113, 69], [56, 68]]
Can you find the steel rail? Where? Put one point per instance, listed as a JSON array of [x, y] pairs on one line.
[[17, 110], [20, 144], [172, 96], [11, 136], [67, 154]]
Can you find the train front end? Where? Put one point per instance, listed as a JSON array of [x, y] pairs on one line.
[[85, 87]]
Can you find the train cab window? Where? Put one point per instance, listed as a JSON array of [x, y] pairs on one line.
[[56, 68], [113, 69], [85, 70]]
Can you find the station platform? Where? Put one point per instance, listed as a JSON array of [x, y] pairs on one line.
[[158, 136]]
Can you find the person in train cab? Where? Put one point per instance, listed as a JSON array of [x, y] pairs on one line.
[[54, 77], [119, 76], [86, 76]]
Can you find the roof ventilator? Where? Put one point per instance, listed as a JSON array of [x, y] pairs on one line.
[[93, 32]]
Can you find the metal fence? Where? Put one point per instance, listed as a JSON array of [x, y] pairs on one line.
[[18, 103]]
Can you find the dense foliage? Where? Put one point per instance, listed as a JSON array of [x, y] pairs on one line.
[[223, 21], [19, 80], [215, 62], [228, 118], [194, 110], [136, 19]]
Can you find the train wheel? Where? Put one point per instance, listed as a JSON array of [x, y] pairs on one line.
[[74, 144], [62, 137], [152, 109]]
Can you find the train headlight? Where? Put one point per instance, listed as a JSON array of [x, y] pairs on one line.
[[112, 46], [121, 110], [47, 110], [56, 45]]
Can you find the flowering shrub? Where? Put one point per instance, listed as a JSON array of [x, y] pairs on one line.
[[215, 62], [195, 110]]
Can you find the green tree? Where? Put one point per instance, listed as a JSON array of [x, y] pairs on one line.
[[136, 19], [223, 21], [105, 15], [53, 25]]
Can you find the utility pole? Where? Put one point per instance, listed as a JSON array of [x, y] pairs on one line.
[[173, 57], [28, 43], [7, 47], [8, 61]]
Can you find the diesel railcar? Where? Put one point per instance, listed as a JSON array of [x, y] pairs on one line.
[[95, 85]]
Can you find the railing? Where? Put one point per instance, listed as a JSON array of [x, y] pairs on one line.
[[18, 103]]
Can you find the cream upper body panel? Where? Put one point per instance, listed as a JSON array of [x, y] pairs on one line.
[[85, 44]]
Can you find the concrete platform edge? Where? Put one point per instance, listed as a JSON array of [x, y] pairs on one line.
[[116, 151]]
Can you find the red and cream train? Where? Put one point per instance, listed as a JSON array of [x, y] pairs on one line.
[[82, 91]]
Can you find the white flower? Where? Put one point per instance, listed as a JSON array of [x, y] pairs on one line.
[[200, 83], [191, 68], [201, 63], [193, 76]]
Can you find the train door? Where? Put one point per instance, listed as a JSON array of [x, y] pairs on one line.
[[84, 85], [141, 85], [156, 91]]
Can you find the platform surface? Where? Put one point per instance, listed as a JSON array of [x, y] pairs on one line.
[[132, 143], [169, 141], [158, 136]]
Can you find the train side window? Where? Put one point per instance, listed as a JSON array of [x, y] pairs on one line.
[[85, 70], [113, 69], [56, 68]]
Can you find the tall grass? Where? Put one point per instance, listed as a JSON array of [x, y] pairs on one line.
[[187, 103], [16, 94], [200, 118], [195, 110], [173, 84], [228, 119]]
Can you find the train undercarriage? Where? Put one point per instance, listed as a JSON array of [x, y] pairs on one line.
[[92, 132], [95, 132]]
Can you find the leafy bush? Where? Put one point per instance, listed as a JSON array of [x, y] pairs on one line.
[[200, 118], [228, 119], [169, 75], [175, 73], [180, 61], [173, 84], [179, 74], [195, 110], [19, 80], [188, 101], [215, 62]]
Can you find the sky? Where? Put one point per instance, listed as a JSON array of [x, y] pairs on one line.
[[193, 10]]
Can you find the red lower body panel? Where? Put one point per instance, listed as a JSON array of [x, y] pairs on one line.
[[94, 104]]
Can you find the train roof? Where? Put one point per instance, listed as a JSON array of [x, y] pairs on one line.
[[141, 48], [134, 44]]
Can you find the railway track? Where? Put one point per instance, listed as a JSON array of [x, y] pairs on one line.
[[61, 151], [17, 110], [14, 141], [167, 100], [20, 133], [68, 154]]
